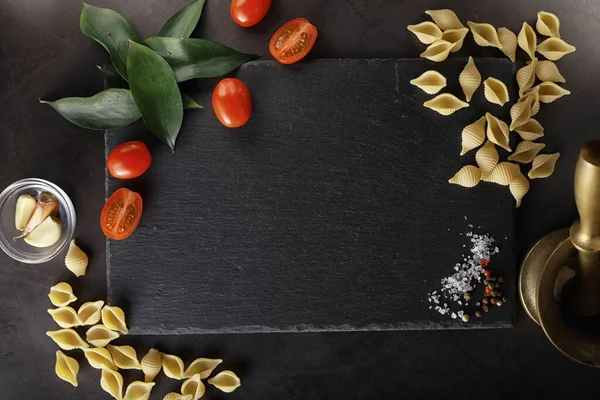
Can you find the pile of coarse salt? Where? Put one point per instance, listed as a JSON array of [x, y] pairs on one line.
[[466, 275]]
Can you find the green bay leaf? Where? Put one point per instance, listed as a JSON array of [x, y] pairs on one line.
[[188, 102], [183, 22]]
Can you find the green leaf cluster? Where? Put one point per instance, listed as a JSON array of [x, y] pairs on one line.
[[144, 82]]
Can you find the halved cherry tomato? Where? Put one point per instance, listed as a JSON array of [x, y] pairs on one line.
[[129, 160], [248, 13], [232, 102], [293, 41], [121, 214]]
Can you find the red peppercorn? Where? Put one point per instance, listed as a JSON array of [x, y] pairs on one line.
[[487, 272], [484, 262]]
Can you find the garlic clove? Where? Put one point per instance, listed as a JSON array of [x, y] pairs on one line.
[[45, 234], [24, 210], [46, 206]]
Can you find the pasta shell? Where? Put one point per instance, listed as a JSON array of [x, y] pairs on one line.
[[114, 319], [535, 102], [445, 104], [526, 152], [172, 366], [193, 386], [426, 32], [527, 40], [519, 188], [89, 313], [497, 131], [430, 82], [112, 383], [473, 135], [65, 317], [151, 365], [547, 71], [555, 49], [520, 112], [445, 19], [531, 130], [177, 396], [225, 381], [456, 37], [543, 166], [503, 173], [76, 260], [202, 366], [487, 158], [138, 390], [526, 77], [438, 51], [548, 24], [485, 35], [66, 368], [124, 357], [67, 339], [99, 358], [469, 79], [99, 335], [509, 43], [550, 92], [496, 91], [61, 294], [468, 176]]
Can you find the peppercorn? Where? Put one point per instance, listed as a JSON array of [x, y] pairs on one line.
[[504, 299], [483, 262], [493, 279], [486, 282], [500, 279], [485, 301], [478, 314], [485, 308], [465, 318], [487, 272], [499, 303], [497, 286], [493, 293], [467, 296], [491, 286]]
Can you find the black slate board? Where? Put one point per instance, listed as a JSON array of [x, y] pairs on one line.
[[330, 210]]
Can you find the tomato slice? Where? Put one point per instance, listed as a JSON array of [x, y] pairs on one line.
[[293, 41], [121, 214]]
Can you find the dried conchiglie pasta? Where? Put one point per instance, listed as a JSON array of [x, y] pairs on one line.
[[193, 386], [531, 130], [445, 19], [114, 319], [426, 32], [497, 131], [550, 92], [547, 71], [468, 176], [469, 79], [496, 91], [520, 113], [555, 49], [61, 294], [430, 82], [112, 383], [445, 104], [65, 317], [473, 135], [487, 158], [534, 93], [138, 390], [89, 313], [124, 357], [526, 152], [548, 24], [526, 77], [202, 366], [67, 339], [177, 396], [438, 51], [225, 381], [543, 166], [99, 335], [485, 35], [519, 188], [509, 43], [66, 368], [76, 260], [151, 365], [527, 40], [99, 358], [172, 366], [456, 37], [503, 173]]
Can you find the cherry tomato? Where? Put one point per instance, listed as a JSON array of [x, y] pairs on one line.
[[129, 160], [248, 13], [232, 102], [293, 41], [121, 214]]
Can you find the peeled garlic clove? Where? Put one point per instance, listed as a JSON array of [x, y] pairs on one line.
[[24, 211], [46, 206], [45, 234]]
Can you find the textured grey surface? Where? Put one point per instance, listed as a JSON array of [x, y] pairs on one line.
[[329, 210]]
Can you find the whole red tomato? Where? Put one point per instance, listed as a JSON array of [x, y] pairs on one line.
[[129, 160], [247, 13], [232, 102]]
